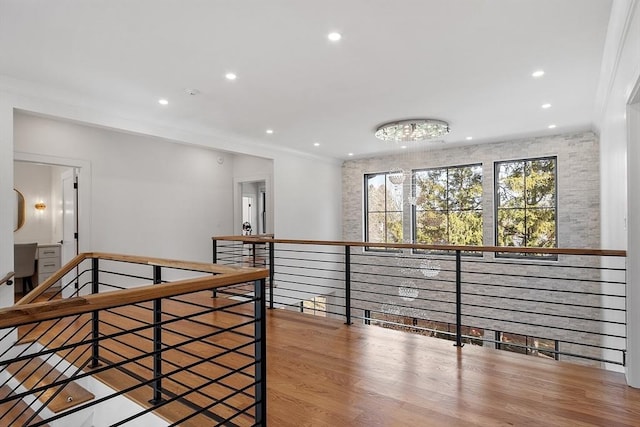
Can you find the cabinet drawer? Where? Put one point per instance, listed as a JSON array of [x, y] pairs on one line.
[[49, 252], [48, 265]]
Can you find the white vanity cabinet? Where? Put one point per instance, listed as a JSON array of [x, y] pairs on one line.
[[48, 261]]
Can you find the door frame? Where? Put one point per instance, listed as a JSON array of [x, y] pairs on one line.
[[83, 168], [237, 201]]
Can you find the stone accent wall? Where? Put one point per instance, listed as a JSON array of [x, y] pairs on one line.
[[382, 281]]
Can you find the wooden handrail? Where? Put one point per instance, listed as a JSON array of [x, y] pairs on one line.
[[44, 286], [170, 263], [510, 249], [6, 278], [39, 311], [196, 266]]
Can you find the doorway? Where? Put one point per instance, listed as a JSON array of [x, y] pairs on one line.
[[254, 206], [50, 204], [53, 183]]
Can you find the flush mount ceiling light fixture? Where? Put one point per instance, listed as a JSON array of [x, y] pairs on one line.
[[412, 130]]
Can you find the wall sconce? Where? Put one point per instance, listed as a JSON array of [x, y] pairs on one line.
[[40, 206]]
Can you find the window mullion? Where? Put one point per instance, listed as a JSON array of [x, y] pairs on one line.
[[386, 208], [526, 208]]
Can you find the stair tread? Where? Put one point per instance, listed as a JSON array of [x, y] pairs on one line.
[[15, 413], [36, 373]]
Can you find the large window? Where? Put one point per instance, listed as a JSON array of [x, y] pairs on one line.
[[448, 205], [526, 203], [383, 219]]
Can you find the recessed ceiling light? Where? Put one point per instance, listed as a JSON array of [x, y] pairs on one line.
[[316, 144], [350, 154], [545, 106], [404, 147], [552, 126], [230, 76], [469, 138], [163, 101], [269, 131], [334, 37], [537, 74]]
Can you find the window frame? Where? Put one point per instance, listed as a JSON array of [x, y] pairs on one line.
[[496, 205], [414, 210], [386, 211]]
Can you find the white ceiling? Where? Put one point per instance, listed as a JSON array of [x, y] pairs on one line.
[[468, 62]]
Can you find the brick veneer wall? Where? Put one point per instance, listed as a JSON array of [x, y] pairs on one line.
[[578, 224]]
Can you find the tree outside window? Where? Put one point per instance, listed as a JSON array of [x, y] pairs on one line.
[[383, 221], [526, 203], [448, 205]]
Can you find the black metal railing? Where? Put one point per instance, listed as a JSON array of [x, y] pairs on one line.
[[149, 329], [570, 306]]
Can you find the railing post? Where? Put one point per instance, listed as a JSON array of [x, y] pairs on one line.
[[347, 284], [95, 320], [458, 299], [367, 317], [253, 250], [260, 327], [272, 263], [157, 340], [215, 261]]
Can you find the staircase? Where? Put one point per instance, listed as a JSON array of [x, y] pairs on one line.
[[36, 373], [15, 412], [132, 348], [34, 387]]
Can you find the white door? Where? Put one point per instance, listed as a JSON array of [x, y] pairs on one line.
[[69, 223]]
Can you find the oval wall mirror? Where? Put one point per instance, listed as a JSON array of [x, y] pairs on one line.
[[19, 211]]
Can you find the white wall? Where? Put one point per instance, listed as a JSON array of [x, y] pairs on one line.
[[6, 196], [308, 199], [623, 65], [304, 195], [149, 196], [154, 197]]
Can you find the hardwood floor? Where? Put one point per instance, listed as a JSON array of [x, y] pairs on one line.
[[324, 373], [327, 374]]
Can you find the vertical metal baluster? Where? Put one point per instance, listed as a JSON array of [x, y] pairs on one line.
[[157, 340], [347, 284], [215, 261], [260, 353], [271, 272], [95, 319], [458, 299]]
